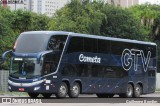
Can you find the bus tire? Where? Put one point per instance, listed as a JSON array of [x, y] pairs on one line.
[[46, 95], [74, 91], [33, 95], [129, 91], [62, 90], [137, 91]]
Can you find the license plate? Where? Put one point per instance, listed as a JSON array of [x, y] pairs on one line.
[[21, 89]]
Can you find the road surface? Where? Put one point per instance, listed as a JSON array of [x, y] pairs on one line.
[[83, 100]]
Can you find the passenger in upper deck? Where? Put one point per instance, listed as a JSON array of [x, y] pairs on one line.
[[55, 44]]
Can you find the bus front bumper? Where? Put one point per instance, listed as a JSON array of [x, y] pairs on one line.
[[38, 87]]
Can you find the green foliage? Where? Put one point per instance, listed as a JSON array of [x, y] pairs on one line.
[[81, 17], [38, 22], [12, 23], [6, 32], [149, 16], [120, 23], [97, 18]]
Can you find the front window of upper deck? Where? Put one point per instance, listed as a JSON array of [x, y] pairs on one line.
[[31, 43], [34, 43]]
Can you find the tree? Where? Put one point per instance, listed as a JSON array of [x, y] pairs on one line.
[[12, 23], [6, 32], [149, 16], [97, 18], [38, 22], [120, 23], [82, 17]]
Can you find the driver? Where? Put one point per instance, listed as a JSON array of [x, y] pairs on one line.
[[46, 69]]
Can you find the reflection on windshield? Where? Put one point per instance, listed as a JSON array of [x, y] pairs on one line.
[[27, 68]]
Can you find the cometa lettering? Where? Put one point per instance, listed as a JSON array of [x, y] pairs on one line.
[[83, 58]]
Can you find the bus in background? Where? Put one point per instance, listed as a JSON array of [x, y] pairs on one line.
[[67, 63]]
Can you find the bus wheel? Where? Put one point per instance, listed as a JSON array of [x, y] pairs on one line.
[[33, 95], [74, 91], [137, 91], [46, 95], [129, 92], [62, 91]]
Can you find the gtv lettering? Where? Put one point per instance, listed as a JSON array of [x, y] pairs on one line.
[[130, 57]]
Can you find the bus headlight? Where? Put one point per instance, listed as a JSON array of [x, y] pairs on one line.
[[36, 88]]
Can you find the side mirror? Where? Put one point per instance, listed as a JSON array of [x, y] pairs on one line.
[[4, 55]]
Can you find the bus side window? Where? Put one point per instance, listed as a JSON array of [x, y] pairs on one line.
[[75, 45], [90, 45], [56, 42], [103, 46], [50, 63]]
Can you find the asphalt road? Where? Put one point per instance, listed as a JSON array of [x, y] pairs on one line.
[[85, 99]]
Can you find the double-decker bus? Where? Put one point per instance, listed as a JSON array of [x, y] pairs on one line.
[[67, 63]]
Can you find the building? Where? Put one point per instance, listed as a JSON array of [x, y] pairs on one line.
[[123, 3], [150, 1], [47, 7], [16, 4]]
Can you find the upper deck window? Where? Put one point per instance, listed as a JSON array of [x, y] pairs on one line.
[[31, 43]]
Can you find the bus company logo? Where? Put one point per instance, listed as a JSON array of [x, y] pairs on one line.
[[130, 57], [6, 100], [83, 58]]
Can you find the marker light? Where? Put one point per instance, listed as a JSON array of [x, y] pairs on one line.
[[14, 47]]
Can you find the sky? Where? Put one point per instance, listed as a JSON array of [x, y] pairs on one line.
[[150, 1]]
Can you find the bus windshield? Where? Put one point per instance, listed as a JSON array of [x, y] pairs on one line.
[[25, 68], [31, 43]]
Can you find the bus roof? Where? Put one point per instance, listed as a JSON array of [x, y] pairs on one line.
[[50, 33]]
